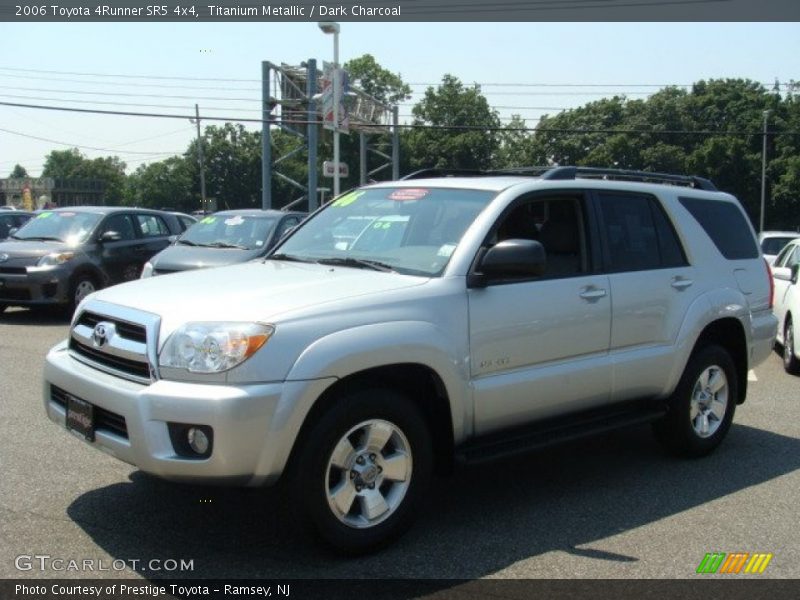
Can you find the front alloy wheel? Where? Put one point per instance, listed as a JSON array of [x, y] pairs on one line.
[[83, 288], [790, 363], [363, 467], [368, 473]]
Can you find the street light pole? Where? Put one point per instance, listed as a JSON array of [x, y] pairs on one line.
[[763, 173], [332, 27]]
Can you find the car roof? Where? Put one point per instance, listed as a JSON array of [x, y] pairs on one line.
[[254, 212], [769, 234], [104, 210]]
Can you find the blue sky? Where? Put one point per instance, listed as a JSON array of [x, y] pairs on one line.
[[614, 56]]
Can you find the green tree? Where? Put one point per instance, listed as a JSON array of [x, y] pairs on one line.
[[366, 74], [166, 183], [456, 128], [18, 172], [514, 142], [232, 165], [71, 164], [63, 163]]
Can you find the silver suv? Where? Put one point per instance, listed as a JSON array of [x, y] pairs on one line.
[[472, 317]]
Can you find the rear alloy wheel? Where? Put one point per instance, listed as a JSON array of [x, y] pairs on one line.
[[790, 363], [702, 407], [363, 468]]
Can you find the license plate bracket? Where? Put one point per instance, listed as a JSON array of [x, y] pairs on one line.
[[80, 417]]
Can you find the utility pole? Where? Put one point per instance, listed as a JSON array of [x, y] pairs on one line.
[[763, 173], [200, 158]]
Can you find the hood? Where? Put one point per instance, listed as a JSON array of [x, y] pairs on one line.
[[21, 249], [182, 258], [253, 291]]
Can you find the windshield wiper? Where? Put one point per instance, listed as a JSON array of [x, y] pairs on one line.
[[225, 245], [290, 258], [187, 242], [39, 238], [358, 263]]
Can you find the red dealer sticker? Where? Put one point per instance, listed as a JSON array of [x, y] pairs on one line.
[[408, 194]]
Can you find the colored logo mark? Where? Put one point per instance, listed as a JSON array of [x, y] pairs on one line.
[[734, 563]]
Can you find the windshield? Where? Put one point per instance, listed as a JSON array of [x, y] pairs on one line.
[[71, 227], [229, 231], [408, 230], [773, 245]]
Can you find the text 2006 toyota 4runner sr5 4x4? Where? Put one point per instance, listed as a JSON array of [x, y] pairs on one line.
[[467, 317]]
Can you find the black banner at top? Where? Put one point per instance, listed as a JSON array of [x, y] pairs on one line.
[[398, 10]]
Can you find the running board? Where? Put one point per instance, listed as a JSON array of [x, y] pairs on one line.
[[555, 431]]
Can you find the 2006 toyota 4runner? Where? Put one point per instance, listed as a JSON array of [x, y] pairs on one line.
[[469, 317]]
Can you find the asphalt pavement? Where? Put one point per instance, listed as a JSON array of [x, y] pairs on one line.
[[614, 506]]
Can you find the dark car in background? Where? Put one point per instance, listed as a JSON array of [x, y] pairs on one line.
[[224, 238], [11, 220], [61, 256]]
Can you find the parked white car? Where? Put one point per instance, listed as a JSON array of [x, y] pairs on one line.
[[787, 303], [772, 242]]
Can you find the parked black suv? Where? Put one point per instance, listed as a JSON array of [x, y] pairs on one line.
[[11, 220], [61, 256]]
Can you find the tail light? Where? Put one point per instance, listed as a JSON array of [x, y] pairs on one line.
[[771, 284]]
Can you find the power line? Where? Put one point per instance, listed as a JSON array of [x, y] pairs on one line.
[[41, 139], [275, 121], [127, 76], [134, 95], [109, 103], [127, 83], [428, 84]]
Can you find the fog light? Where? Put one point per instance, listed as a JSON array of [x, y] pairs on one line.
[[198, 440]]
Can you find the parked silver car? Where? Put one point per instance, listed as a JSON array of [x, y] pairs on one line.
[[481, 316]]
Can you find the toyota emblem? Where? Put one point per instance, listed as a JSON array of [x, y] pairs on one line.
[[102, 334], [3, 257]]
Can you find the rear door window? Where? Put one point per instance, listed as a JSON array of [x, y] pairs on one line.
[[152, 226], [638, 235]]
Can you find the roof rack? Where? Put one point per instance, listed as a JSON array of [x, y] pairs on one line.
[[433, 172], [628, 175], [563, 173]]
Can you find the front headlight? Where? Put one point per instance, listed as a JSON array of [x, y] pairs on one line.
[[55, 259], [213, 347], [147, 270]]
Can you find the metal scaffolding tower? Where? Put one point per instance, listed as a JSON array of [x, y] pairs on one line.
[[292, 92]]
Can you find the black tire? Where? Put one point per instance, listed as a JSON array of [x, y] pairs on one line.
[[689, 412], [354, 418], [790, 363], [3, 308], [82, 285]]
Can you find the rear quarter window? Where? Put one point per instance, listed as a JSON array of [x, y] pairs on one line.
[[726, 225]]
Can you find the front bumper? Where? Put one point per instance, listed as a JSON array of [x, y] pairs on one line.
[[40, 286], [254, 426]]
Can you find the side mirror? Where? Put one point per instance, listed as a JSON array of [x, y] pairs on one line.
[[173, 238], [110, 236], [509, 260], [795, 273], [13, 230]]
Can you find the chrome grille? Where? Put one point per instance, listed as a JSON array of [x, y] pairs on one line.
[[122, 351]]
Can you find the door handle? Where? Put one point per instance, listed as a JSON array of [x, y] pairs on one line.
[[592, 293], [681, 283]]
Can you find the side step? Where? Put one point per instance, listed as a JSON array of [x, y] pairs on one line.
[[555, 431]]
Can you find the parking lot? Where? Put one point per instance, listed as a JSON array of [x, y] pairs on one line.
[[609, 507]]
